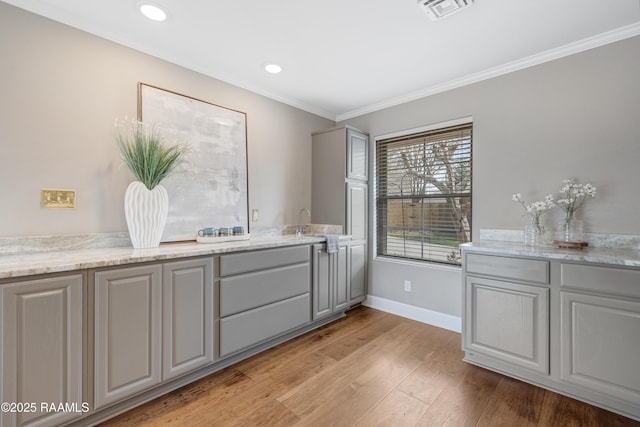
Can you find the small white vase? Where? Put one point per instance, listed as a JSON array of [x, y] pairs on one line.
[[146, 212]]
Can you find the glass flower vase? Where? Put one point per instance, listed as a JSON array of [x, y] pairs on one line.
[[570, 230], [534, 235]]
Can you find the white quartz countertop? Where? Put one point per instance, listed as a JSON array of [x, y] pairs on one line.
[[18, 265], [602, 255]]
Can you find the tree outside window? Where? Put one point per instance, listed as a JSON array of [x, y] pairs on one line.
[[423, 194]]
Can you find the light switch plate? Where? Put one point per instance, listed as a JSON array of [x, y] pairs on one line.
[[57, 199]]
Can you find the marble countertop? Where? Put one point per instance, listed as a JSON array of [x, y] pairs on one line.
[[19, 265], [602, 255]]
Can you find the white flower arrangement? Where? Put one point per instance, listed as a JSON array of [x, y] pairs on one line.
[[535, 209], [574, 196]]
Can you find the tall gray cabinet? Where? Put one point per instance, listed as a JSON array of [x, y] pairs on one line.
[[339, 194]]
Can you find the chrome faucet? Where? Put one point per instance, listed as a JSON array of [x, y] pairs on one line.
[[300, 228]]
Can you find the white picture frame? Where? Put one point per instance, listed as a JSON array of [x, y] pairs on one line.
[[209, 189]]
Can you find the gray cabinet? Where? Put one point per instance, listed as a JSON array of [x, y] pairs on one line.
[[339, 157], [188, 333], [357, 210], [322, 282], [357, 154], [357, 261], [506, 310], [508, 321], [42, 348], [103, 340], [152, 323], [263, 294], [341, 267], [572, 327], [330, 281], [600, 330], [339, 194], [127, 331], [600, 344]]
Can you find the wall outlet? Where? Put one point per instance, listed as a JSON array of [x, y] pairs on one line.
[[57, 199], [407, 285], [254, 215]]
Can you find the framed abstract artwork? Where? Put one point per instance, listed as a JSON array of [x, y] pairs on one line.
[[209, 189]]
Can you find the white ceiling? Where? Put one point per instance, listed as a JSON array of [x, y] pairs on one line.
[[343, 58]]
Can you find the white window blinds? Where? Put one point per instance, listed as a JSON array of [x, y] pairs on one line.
[[423, 194]]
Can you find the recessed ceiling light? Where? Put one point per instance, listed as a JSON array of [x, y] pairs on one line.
[[273, 68], [152, 11]]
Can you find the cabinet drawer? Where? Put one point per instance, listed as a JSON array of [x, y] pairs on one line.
[[259, 260], [251, 290], [252, 327], [602, 279], [528, 270]]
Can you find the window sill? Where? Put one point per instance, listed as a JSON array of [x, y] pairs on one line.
[[413, 263]]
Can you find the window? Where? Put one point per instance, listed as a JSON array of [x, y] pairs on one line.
[[423, 194]]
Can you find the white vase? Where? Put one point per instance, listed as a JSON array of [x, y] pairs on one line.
[[146, 212]]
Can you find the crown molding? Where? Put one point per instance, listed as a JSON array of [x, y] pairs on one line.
[[43, 8], [530, 61]]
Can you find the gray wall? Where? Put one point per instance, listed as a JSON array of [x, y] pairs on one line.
[[60, 90], [578, 116]]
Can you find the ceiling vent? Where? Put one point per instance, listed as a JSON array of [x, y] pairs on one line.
[[438, 9]]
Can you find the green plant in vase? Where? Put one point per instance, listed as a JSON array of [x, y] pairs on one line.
[[150, 159]]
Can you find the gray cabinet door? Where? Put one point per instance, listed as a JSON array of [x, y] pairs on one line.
[[357, 272], [600, 344], [331, 287], [341, 275], [322, 282], [42, 348], [127, 328], [328, 172], [188, 335], [357, 210], [508, 321], [357, 155]]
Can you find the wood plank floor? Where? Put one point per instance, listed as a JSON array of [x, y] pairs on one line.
[[368, 369]]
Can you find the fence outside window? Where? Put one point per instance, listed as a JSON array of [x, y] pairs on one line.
[[423, 194]]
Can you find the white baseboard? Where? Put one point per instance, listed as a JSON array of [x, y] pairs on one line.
[[424, 315]]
